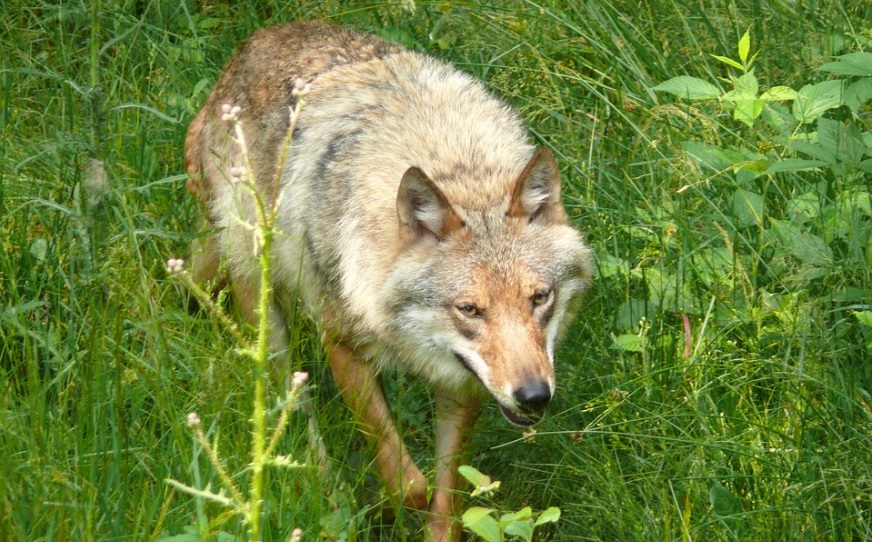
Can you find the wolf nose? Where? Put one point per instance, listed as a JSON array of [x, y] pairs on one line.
[[533, 396]]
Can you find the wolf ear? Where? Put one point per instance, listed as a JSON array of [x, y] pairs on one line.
[[537, 192], [423, 209]]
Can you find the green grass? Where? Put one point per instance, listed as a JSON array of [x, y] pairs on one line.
[[763, 431]]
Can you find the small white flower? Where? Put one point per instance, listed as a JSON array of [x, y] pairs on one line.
[[193, 419], [230, 112], [237, 174], [301, 88], [297, 535], [174, 265], [300, 378]]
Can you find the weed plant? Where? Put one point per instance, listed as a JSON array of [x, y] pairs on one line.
[[715, 387]]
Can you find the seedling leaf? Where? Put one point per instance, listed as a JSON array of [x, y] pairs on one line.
[[479, 521], [549, 515], [745, 47], [729, 61], [482, 482], [629, 343], [524, 529], [521, 515]]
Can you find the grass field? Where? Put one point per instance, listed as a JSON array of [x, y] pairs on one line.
[[715, 387]]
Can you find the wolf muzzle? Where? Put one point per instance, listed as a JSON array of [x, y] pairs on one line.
[[531, 399]]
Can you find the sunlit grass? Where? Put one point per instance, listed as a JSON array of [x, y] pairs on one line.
[[760, 430]]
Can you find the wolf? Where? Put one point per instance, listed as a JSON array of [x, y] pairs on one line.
[[416, 221]]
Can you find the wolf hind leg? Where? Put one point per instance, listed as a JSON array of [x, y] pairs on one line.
[[362, 392]]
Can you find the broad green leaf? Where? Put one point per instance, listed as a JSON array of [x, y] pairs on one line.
[[708, 156], [747, 207], [858, 93], [754, 166], [549, 515], [745, 46], [856, 199], [669, 292], [629, 314], [844, 141], [850, 64], [805, 247], [743, 98], [523, 529], [815, 150], [608, 265], [475, 513], [864, 317], [629, 343], [812, 101], [850, 295], [795, 164], [779, 118], [737, 94], [688, 87], [804, 206], [747, 111], [729, 61], [732, 156], [778, 94], [747, 84], [479, 521], [521, 515]]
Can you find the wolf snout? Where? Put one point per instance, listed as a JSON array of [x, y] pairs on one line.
[[533, 396]]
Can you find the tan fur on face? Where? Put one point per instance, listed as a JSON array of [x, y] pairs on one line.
[[509, 335]]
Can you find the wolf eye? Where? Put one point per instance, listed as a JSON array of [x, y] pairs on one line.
[[469, 310], [540, 298]]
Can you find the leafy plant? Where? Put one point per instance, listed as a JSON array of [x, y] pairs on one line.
[[814, 232], [481, 521], [256, 352]]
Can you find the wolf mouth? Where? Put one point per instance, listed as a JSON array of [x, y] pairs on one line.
[[514, 417], [523, 420]]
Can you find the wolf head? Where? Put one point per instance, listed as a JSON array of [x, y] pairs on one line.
[[483, 294]]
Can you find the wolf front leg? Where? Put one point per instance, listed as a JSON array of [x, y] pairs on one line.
[[455, 418], [359, 385]]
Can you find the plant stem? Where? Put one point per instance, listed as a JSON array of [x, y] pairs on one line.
[[259, 457]]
